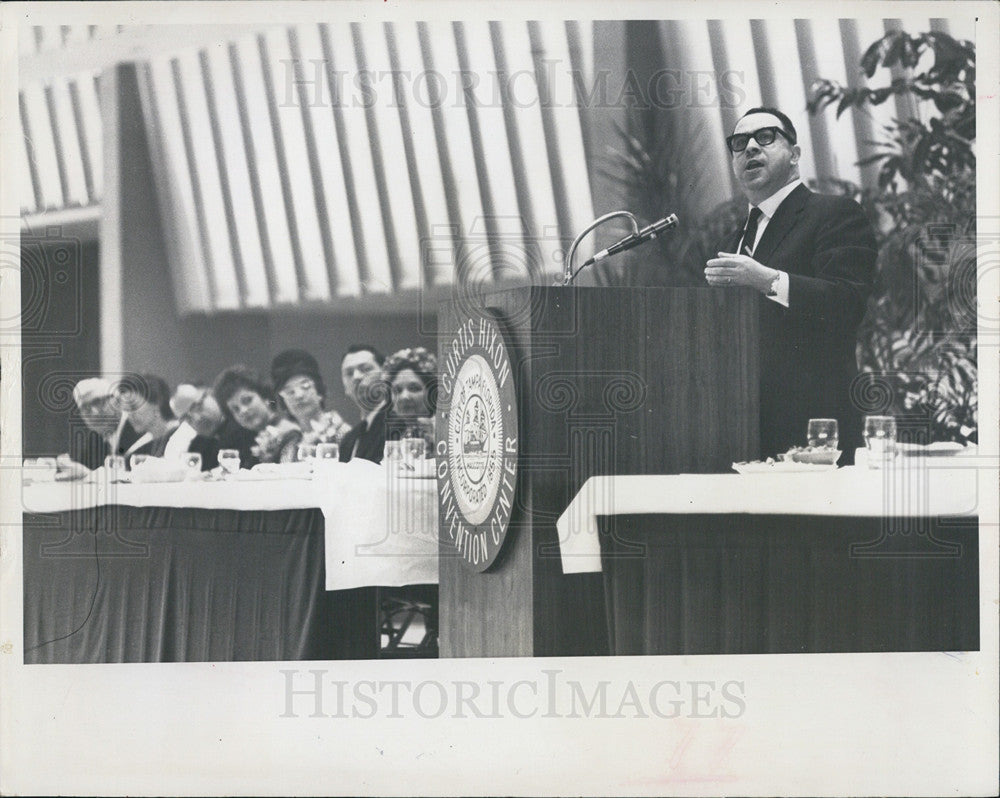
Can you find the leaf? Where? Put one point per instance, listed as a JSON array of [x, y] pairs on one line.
[[879, 96], [895, 49], [911, 50], [875, 54], [845, 102], [823, 93]]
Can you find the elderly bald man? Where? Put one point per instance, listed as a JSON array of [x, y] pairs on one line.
[[196, 406], [108, 429]]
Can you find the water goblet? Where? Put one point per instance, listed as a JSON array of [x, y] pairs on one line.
[[880, 439], [822, 433], [327, 451], [229, 460], [192, 463], [392, 452], [114, 464], [306, 453], [414, 449]]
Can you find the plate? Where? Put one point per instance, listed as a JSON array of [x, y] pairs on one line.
[[427, 470], [787, 467], [274, 471], [156, 475], [938, 449], [815, 457]]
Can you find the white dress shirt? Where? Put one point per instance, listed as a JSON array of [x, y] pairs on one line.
[[115, 436], [768, 208], [179, 441]]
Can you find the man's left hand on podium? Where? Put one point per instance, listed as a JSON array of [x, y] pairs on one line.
[[730, 270]]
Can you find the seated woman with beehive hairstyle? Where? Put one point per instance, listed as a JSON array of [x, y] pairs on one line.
[[301, 394]]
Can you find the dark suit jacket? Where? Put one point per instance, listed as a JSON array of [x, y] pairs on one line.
[[229, 435], [89, 448], [370, 440], [808, 360]]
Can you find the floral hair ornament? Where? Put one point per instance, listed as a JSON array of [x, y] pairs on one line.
[[424, 360]]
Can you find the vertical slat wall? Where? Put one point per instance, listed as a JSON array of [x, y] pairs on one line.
[[349, 159], [368, 214], [342, 160], [427, 175], [779, 59], [61, 126], [186, 252]]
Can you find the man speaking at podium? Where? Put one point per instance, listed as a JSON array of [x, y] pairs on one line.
[[813, 257]]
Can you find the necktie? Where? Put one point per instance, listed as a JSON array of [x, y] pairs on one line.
[[750, 231]]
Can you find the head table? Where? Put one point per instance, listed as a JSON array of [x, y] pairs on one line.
[[848, 560], [257, 568], [284, 569]]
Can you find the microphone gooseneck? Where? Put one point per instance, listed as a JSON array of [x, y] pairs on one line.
[[634, 239], [647, 233]]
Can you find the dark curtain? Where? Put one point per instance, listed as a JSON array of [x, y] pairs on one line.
[[742, 584], [124, 584]]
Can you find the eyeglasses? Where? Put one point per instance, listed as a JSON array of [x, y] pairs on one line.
[[301, 387], [764, 136], [196, 406], [95, 407]]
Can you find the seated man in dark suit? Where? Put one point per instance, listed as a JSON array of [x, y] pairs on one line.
[[364, 383], [196, 406], [813, 257]]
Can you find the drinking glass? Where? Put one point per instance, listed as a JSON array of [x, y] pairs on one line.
[[116, 462], [880, 438], [327, 451], [392, 451], [306, 452], [229, 460], [192, 462], [823, 433], [414, 449], [136, 460]]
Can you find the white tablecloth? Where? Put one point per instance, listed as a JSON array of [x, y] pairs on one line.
[[380, 528], [934, 486]]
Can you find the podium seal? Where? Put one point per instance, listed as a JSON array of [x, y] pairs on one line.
[[477, 442]]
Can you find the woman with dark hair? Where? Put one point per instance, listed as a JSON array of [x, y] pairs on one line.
[[302, 394], [412, 377], [245, 397]]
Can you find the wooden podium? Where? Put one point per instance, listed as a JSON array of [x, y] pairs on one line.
[[608, 381]]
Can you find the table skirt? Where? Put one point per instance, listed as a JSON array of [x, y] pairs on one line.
[[742, 584], [164, 584]]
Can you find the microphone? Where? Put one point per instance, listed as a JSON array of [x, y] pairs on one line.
[[647, 233]]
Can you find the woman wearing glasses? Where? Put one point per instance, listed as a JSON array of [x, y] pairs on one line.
[[302, 394]]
